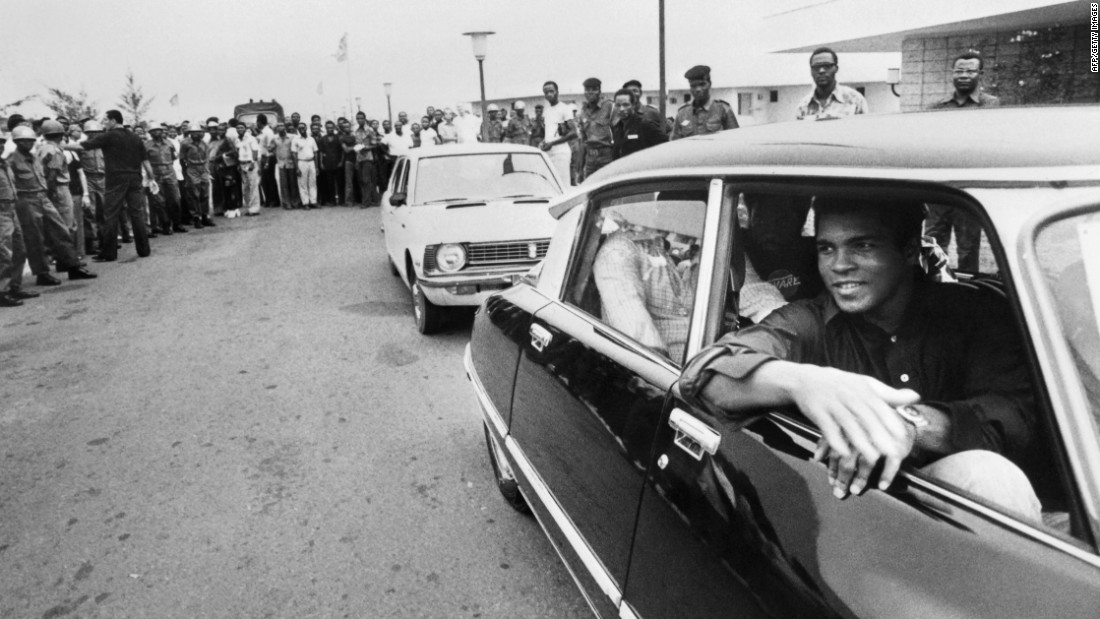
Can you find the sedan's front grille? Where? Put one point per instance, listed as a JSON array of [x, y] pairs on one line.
[[512, 252]]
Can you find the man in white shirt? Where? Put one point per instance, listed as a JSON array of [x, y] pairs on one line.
[[428, 136], [469, 126], [248, 150], [559, 131], [305, 152]]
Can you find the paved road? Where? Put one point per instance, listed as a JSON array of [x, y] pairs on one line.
[[247, 425]]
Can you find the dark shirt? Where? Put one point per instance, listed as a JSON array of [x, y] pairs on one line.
[[538, 130], [957, 347], [123, 151], [348, 142], [332, 151], [76, 186], [635, 133]]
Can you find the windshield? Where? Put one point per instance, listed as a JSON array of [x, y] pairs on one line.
[[483, 177], [1068, 251]]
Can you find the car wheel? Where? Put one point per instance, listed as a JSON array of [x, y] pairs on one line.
[[506, 480], [428, 315]]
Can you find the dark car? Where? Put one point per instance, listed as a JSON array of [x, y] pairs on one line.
[[661, 509]]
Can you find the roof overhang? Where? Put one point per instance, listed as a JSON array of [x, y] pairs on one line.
[[1065, 12]]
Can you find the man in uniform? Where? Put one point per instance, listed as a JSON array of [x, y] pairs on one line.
[[329, 185], [495, 131], [13, 254], [41, 224], [55, 164], [518, 130], [703, 115], [538, 126], [829, 100], [196, 175], [966, 77], [594, 128], [162, 154], [95, 181]]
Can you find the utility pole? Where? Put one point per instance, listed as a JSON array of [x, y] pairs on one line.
[[661, 28]]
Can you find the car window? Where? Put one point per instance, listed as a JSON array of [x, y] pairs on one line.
[[1068, 252], [783, 280], [638, 266], [483, 177], [402, 176]]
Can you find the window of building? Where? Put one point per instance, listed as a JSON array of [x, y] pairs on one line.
[[672, 100], [773, 96]]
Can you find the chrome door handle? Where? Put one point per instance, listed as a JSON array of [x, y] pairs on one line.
[[540, 337], [692, 435]]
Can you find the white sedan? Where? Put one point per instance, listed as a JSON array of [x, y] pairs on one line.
[[463, 221]]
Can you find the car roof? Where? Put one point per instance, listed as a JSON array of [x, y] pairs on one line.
[[477, 148], [1023, 137]]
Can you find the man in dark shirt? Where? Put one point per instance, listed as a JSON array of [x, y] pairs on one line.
[[966, 77], [633, 132], [330, 181], [886, 366], [538, 127], [124, 157]]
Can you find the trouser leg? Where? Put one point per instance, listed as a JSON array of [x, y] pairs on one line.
[[286, 180], [13, 254], [112, 214], [338, 185], [32, 235], [135, 205], [62, 200], [349, 182], [307, 182], [367, 182], [170, 193], [50, 232]]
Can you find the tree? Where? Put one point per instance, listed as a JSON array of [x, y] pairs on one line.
[[133, 101], [75, 107], [7, 106]]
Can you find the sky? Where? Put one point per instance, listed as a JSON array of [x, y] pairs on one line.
[[215, 54]]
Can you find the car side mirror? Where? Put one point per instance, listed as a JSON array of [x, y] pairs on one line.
[[398, 198]]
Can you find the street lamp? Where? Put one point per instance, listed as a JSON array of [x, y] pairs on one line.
[[359, 104], [893, 78], [388, 88], [480, 41]]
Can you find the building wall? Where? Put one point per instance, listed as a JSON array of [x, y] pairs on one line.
[[1039, 65]]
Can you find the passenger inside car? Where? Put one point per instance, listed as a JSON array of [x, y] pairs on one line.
[[887, 365], [646, 271]]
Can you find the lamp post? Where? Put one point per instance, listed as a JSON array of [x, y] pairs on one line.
[[893, 78], [388, 88], [359, 104], [480, 41]]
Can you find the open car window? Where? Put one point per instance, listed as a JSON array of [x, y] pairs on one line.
[[637, 265], [775, 279]]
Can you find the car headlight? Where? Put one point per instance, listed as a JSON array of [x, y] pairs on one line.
[[450, 257]]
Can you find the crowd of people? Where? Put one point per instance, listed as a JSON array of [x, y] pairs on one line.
[[74, 189]]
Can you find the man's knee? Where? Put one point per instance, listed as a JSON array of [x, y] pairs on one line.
[[992, 477]]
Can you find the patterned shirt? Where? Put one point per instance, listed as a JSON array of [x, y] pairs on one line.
[[369, 139], [842, 101], [643, 292]]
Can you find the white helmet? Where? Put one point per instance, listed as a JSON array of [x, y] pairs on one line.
[[92, 125], [493, 107], [23, 132], [519, 105]]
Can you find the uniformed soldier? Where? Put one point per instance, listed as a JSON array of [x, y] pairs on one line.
[[55, 164], [95, 179], [495, 130], [594, 128], [703, 115], [162, 153], [13, 254], [519, 127], [194, 156]]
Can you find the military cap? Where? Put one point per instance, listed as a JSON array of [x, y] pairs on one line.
[[698, 72], [592, 82]]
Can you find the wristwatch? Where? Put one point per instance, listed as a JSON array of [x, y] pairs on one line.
[[912, 415]]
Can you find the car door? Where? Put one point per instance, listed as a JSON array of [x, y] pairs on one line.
[[759, 512], [588, 396], [395, 217]]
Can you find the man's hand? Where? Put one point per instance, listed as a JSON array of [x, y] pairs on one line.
[[544, 145], [855, 413], [852, 472]]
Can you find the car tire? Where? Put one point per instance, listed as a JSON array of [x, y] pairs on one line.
[[506, 482], [428, 315]]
